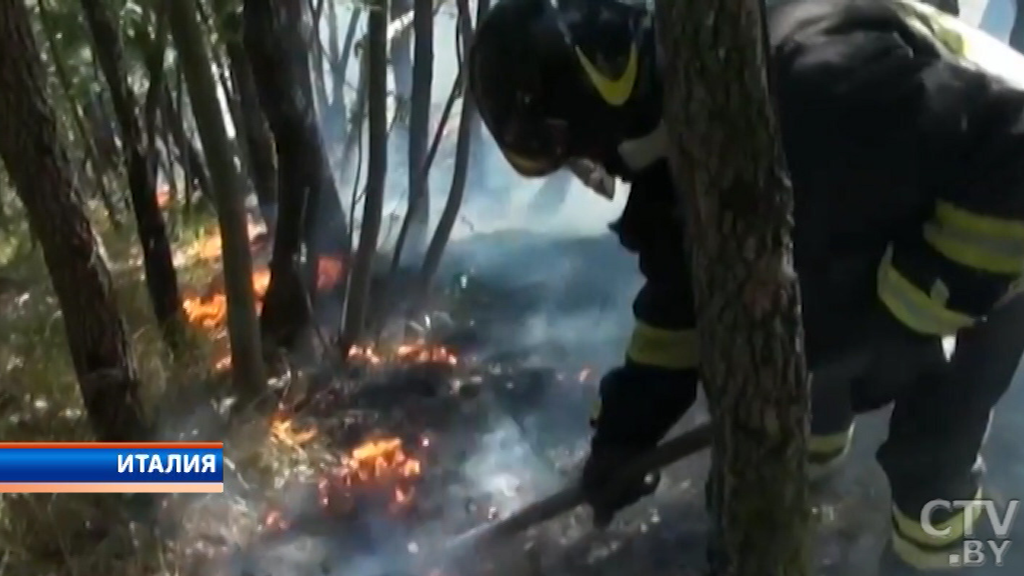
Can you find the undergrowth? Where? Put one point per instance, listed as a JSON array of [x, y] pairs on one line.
[[95, 534]]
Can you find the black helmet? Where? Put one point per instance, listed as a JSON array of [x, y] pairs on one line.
[[541, 74]]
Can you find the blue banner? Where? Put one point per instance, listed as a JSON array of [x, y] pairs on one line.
[[110, 465]]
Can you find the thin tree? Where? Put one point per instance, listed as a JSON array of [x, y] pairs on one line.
[[258, 140], [38, 165], [161, 278], [418, 204], [731, 175], [468, 121], [306, 189], [243, 326], [373, 206]]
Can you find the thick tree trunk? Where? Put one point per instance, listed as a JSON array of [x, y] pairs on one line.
[[243, 327], [38, 165], [161, 278], [281, 70], [730, 170]]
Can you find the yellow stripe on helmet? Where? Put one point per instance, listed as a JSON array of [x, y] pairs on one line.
[[614, 91]]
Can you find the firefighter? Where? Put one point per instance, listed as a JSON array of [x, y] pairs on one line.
[[904, 134]]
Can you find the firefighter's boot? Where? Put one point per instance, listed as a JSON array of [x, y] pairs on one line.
[[904, 555], [893, 564]]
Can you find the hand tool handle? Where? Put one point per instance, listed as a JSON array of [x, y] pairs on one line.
[[666, 453]]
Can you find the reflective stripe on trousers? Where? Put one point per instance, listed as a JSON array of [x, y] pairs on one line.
[[663, 348], [914, 307]]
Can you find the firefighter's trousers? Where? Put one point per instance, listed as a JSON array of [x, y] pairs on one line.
[[940, 417]]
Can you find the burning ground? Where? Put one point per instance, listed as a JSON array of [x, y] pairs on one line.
[[479, 409]]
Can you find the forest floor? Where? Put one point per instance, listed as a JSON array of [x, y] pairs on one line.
[[418, 440]]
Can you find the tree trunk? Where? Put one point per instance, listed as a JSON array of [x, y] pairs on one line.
[[243, 327], [401, 59], [317, 56], [468, 119], [419, 123], [38, 165], [281, 71], [337, 120], [190, 158], [161, 278], [154, 53], [87, 140], [373, 205], [442, 125], [730, 172], [259, 142]]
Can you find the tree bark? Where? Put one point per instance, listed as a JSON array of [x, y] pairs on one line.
[[190, 159], [468, 119], [154, 52], [317, 56], [87, 141], [161, 278], [305, 184], [730, 172], [243, 327], [38, 165], [259, 142], [373, 205], [418, 204], [401, 58]]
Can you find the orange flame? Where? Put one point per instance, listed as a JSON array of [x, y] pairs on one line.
[[376, 465], [284, 430], [209, 310], [330, 270], [209, 246], [418, 352]]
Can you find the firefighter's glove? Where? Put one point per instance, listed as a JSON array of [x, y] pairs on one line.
[[638, 407]]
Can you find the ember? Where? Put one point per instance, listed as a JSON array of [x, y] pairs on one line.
[[330, 270], [377, 471], [379, 466], [284, 430], [209, 247], [419, 352]]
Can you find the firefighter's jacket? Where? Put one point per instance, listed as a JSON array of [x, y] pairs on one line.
[[904, 134]]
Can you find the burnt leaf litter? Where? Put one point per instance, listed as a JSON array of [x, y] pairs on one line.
[[499, 419]]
